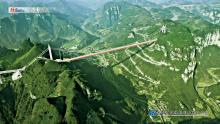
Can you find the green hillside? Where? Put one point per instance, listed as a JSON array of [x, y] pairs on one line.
[[178, 76], [163, 72], [59, 93]]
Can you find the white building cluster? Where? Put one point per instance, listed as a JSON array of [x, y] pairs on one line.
[[163, 29]]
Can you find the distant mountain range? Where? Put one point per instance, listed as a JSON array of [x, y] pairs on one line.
[[44, 28], [71, 8], [183, 1], [48, 28]]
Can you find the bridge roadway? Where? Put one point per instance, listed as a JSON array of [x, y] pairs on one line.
[[107, 51], [12, 71]]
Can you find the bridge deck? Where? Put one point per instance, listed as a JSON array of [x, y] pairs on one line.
[[80, 57], [107, 51], [12, 71]]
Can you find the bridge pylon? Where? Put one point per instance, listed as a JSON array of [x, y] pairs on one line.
[[50, 52], [1, 82]]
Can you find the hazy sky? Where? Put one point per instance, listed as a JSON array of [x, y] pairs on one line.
[[87, 3], [91, 3], [94, 4]]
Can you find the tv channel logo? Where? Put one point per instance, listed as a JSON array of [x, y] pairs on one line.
[[28, 10], [17, 10], [12, 10]]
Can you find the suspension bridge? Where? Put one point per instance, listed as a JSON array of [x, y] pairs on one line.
[[17, 72]]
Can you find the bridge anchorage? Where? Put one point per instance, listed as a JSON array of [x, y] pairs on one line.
[[17, 75]]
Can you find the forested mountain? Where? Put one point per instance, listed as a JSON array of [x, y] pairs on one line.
[[178, 74]]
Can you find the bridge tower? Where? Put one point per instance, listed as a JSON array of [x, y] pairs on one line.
[[1, 82], [50, 52]]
